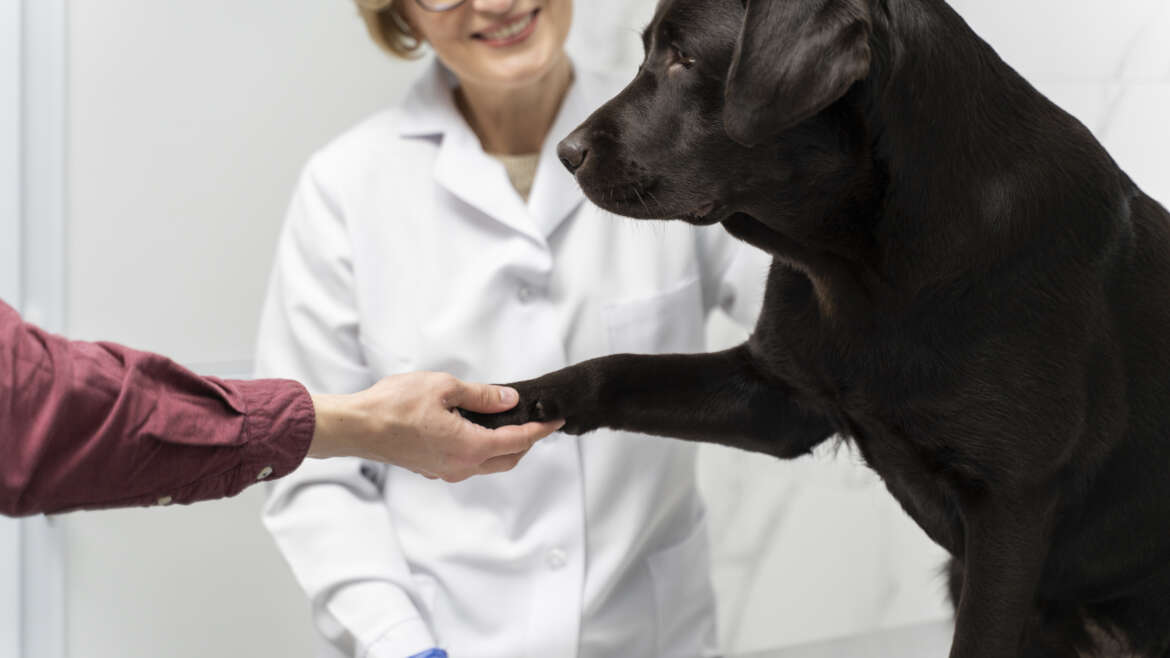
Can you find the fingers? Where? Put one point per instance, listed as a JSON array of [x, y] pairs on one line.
[[501, 463], [499, 450], [512, 439], [483, 398]]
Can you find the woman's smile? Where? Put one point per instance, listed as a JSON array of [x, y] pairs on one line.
[[510, 32]]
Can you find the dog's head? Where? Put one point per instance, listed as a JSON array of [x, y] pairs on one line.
[[733, 103]]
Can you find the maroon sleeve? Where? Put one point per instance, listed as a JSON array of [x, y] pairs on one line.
[[96, 425]]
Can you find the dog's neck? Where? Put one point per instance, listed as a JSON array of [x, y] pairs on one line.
[[820, 218], [847, 291]]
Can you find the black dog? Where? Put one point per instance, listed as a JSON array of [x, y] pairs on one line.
[[965, 285]]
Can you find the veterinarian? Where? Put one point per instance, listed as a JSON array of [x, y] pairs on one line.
[[97, 425], [445, 234]]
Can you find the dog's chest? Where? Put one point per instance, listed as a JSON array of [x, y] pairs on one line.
[[873, 392], [918, 471], [918, 480]]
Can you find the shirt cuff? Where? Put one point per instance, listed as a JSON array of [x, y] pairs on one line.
[[406, 638], [279, 426]]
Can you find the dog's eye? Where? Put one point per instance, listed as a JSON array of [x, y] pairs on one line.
[[680, 58]]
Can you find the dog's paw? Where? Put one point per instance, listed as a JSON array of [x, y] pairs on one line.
[[528, 410], [549, 398]]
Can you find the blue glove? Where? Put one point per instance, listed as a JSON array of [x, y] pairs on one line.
[[431, 653]]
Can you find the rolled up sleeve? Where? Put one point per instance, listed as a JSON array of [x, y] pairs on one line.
[[97, 425]]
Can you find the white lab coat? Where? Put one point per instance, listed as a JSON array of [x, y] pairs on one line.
[[406, 248]]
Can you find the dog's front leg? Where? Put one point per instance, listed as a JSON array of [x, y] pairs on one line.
[[716, 398], [1006, 545]]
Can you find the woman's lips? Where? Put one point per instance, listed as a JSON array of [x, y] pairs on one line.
[[511, 32]]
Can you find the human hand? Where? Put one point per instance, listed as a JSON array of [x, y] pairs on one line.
[[411, 421]]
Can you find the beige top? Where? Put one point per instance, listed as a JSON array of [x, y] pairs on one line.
[[521, 170]]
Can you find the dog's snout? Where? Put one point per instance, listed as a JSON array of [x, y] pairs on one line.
[[572, 151]]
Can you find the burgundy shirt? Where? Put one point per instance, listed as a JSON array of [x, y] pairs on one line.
[[96, 425]]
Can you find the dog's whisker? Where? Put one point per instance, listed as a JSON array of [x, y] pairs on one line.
[[656, 201], [643, 201]]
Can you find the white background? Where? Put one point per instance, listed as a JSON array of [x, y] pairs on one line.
[[32, 85], [186, 125], [10, 97], [10, 31]]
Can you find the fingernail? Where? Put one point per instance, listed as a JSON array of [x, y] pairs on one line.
[[509, 395]]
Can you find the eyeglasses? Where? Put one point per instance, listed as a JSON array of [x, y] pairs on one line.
[[439, 5]]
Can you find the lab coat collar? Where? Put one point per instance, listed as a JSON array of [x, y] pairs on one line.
[[429, 107], [475, 177]]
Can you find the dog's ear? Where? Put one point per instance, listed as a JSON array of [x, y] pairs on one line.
[[793, 59]]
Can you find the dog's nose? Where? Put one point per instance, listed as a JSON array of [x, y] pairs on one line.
[[572, 151]]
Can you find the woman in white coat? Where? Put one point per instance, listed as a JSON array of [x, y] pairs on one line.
[[444, 235]]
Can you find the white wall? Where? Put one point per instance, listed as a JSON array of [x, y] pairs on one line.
[[9, 288], [182, 582], [31, 167], [187, 124], [10, 106]]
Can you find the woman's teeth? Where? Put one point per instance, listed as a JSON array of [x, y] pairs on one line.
[[509, 31]]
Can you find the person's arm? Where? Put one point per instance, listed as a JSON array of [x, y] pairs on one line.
[[329, 519], [98, 425]]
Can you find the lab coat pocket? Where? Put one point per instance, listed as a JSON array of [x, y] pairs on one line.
[[671, 321], [683, 597]]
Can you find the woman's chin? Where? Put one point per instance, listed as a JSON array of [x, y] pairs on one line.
[[519, 69]]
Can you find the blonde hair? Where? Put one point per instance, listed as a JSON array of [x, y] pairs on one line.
[[389, 28]]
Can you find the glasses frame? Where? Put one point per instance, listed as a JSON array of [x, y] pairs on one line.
[[440, 7]]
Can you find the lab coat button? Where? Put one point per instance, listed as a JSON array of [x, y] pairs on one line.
[[556, 559], [524, 294], [264, 473], [165, 500]]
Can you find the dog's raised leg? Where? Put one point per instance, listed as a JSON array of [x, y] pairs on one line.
[[714, 398], [1006, 546]]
